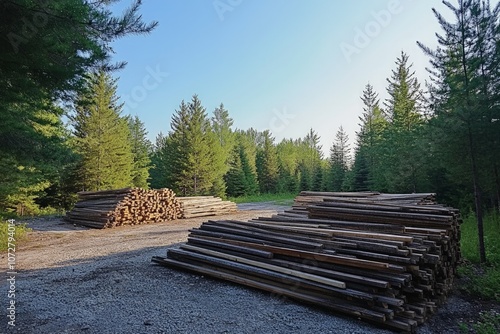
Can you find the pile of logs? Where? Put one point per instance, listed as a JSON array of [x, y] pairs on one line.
[[201, 206], [386, 259], [127, 206]]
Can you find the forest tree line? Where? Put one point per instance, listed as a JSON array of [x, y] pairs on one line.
[[439, 137]]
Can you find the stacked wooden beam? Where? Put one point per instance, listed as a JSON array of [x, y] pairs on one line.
[[127, 206], [202, 206], [379, 260]]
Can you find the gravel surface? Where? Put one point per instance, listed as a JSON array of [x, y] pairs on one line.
[[77, 280]]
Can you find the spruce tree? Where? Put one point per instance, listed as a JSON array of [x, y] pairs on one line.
[[339, 160], [102, 136], [403, 160], [194, 163], [367, 167], [159, 162], [141, 147], [267, 164], [235, 177], [225, 142], [465, 96]]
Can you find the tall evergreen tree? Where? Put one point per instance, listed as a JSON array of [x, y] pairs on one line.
[[288, 160], [225, 142], [193, 163], [102, 137], [235, 177], [141, 147], [267, 164], [47, 58], [366, 166], [339, 160], [465, 95], [33, 155], [159, 162], [403, 159], [226, 139], [309, 161]]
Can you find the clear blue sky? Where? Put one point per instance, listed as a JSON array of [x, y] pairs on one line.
[[283, 65]]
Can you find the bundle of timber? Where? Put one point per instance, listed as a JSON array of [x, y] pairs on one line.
[[387, 263], [201, 206], [307, 198], [127, 206]]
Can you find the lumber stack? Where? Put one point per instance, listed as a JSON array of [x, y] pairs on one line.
[[382, 258], [202, 206], [127, 206]]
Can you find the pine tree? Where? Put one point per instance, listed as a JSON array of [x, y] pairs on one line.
[[310, 159], [225, 142], [339, 160], [235, 177], [48, 61], [288, 160], [140, 151], [33, 154], [102, 137], [366, 167], [403, 160], [465, 96], [194, 163], [221, 124], [159, 162], [267, 164]]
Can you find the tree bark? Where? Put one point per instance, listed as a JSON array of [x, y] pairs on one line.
[[477, 200]]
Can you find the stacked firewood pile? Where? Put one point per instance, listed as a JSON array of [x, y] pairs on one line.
[[127, 206], [387, 259], [201, 206]]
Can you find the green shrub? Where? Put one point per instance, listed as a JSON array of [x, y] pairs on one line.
[[19, 234], [488, 323]]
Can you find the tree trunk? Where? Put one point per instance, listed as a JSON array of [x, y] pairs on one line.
[[497, 182], [477, 200]]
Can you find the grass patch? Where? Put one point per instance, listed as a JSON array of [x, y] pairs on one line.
[[280, 199], [19, 233], [488, 323], [469, 242], [481, 280]]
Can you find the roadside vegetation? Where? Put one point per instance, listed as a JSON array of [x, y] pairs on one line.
[[18, 234], [279, 199], [481, 280]]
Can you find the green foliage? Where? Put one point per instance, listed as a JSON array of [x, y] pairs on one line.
[[278, 199], [32, 149], [403, 161], [159, 162], [465, 95], [194, 159], [46, 54], [339, 161], [267, 164], [140, 146], [469, 240], [488, 323], [19, 233], [102, 137]]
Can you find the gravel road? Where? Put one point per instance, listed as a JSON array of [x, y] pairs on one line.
[[77, 280]]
